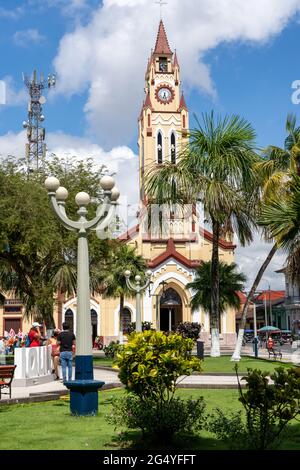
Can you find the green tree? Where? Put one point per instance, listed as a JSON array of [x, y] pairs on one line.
[[273, 173], [37, 255], [282, 218], [230, 283], [112, 277], [216, 168]]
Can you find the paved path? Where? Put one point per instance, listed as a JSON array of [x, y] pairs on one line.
[[111, 377]]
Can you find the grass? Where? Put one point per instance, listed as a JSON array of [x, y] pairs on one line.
[[49, 425], [221, 364], [224, 364]]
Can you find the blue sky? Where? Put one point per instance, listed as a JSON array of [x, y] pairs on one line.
[[253, 80], [240, 61]]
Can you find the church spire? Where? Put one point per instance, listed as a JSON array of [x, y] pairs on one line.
[[162, 44]]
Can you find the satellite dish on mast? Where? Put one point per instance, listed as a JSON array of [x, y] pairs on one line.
[[42, 100]]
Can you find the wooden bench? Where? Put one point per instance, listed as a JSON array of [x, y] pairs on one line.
[[275, 353], [6, 378]]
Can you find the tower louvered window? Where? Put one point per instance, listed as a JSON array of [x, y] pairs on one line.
[[159, 148], [173, 148]]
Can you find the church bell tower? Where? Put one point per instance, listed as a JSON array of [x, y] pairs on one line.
[[164, 118]]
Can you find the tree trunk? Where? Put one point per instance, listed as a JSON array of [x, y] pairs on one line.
[[237, 352], [121, 315], [215, 292]]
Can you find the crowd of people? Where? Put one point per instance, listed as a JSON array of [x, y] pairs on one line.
[[62, 346]]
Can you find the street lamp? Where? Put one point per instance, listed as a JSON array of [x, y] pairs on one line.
[[84, 389], [137, 288]]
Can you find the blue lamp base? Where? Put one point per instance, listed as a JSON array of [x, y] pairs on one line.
[[84, 389]]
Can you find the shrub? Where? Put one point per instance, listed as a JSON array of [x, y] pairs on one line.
[[151, 362], [149, 367], [228, 427], [268, 409], [146, 325], [189, 330], [111, 349], [160, 423]]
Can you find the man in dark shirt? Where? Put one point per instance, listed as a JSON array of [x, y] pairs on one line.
[[66, 341]]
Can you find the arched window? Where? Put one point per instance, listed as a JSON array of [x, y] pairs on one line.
[[94, 321], [173, 148], [125, 319], [159, 148]]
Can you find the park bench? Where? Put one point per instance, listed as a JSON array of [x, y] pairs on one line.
[[6, 378], [275, 353]]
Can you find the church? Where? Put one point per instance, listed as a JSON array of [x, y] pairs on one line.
[[179, 246]]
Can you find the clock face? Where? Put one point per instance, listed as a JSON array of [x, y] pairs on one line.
[[164, 94]]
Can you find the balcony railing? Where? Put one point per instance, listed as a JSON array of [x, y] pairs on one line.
[[12, 302]]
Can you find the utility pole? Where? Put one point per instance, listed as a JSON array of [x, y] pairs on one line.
[[35, 150]]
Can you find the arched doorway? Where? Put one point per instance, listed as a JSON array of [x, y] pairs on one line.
[[125, 319], [94, 321], [69, 318], [170, 310]]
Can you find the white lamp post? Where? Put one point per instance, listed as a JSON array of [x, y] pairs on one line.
[[137, 288], [84, 389]]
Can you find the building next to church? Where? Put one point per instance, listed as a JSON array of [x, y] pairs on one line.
[[173, 252]]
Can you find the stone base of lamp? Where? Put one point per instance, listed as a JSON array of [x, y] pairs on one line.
[[84, 396], [84, 389]]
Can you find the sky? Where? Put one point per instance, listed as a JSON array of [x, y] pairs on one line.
[[236, 57]]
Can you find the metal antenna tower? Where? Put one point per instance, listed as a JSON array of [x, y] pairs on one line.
[[35, 150]]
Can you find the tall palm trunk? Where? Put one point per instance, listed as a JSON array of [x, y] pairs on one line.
[[121, 316], [237, 352], [215, 294]]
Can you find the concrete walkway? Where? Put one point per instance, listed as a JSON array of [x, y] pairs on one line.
[[54, 389]]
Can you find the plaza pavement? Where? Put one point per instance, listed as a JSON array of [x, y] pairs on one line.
[[55, 389]]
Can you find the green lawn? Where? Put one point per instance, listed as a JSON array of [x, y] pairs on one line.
[[50, 426], [220, 364], [224, 364]]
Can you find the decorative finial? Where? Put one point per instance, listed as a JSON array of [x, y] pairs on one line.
[[161, 4]]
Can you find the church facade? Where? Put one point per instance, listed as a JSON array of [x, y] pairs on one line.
[[174, 248]]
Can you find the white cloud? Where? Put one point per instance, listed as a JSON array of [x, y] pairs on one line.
[[28, 37], [119, 160], [108, 56], [13, 97], [250, 259], [11, 14], [66, 7]]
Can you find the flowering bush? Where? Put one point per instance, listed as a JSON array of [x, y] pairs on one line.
[[149, 367], [111, 349], [146, 325], [189, 330]]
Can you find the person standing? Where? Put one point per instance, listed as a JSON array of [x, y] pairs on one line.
[[35, 335], [54, 352], [270, 344], [66, 341]]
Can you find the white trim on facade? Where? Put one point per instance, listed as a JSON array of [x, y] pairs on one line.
[[93, 306], [117, 317]]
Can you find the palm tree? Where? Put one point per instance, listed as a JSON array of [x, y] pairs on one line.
[[217, 168], [112, 278], [273, 172], [230, 283], [282, 218]]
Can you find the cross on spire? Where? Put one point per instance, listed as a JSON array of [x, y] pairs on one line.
[[161, 4]]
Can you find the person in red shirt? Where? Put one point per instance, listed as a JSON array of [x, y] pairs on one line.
[[270, 344], [35, 335]]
